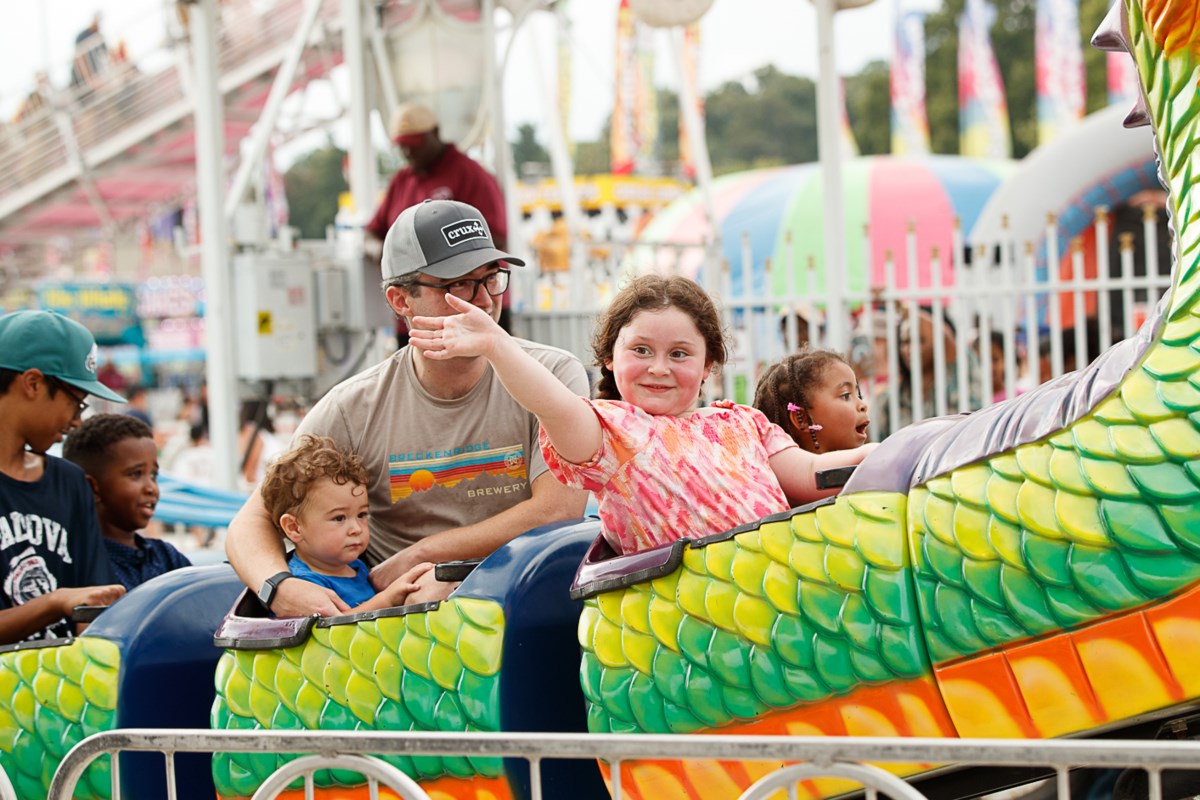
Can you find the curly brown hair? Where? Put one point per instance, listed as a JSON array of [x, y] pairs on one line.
[[788, 381], [654, 293], [286, 485]]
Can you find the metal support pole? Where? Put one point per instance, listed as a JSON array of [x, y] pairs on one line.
[[693, 125], [362, 156], [564, 177], [494, 69], [362, 162], [214, 254], [383, 66], [62, 119], [252, 156], [829, 148]]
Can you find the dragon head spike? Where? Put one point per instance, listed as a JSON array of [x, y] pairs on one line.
[[1113, 33], [1139, 115]]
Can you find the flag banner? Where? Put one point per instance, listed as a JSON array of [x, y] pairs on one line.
[[1061, 83], [690, 73], [983, 109], [849, 143], [910, 124], [623, 147], [1122, 80]]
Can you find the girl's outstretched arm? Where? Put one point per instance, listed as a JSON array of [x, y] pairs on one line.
[[570, 424], [797, 470]]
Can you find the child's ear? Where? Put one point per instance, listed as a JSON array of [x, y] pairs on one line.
[[799, 420], [95, 487], [291, 527]]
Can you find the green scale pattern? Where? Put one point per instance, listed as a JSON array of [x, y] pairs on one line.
[[1103, 516], [435, 671], [790, 613], [54, 698]]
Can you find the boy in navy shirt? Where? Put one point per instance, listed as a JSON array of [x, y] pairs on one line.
[[119, 457], [51, 554]]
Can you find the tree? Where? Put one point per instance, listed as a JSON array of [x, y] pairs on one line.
[[768, 120], [527, 149], [869, 105], [312, 186], [668, 129]]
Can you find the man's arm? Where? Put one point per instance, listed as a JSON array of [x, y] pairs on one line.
[[550, 502], [21, 621], [255, 551]]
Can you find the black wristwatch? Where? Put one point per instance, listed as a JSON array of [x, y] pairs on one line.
[[267, 593]]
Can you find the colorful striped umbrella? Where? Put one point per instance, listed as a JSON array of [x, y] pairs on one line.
[[761, 210]]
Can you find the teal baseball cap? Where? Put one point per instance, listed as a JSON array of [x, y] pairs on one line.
[[58, 346]]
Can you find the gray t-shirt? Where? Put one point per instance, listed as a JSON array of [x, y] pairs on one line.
[[436, 464]]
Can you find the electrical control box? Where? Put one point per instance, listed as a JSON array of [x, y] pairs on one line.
[[275, 315], [333, 310]]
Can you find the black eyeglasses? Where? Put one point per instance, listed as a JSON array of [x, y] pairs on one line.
[[79, 399], [494, 283]]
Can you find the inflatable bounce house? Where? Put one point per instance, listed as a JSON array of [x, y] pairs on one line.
[[770, 221]]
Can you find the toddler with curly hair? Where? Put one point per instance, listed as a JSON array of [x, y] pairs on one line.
[[317, 497]]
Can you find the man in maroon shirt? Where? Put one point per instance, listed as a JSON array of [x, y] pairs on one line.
[[437, 170]]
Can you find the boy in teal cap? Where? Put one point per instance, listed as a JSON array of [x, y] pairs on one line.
[[52, 558]]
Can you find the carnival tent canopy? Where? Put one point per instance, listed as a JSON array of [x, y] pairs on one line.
[[774, 218]]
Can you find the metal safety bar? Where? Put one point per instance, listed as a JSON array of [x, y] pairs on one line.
[[847, 757]]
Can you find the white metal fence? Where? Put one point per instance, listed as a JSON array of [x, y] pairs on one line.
[[1008, 323], [853, 758]]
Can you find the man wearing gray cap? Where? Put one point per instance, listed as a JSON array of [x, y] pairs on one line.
[[455, 465]]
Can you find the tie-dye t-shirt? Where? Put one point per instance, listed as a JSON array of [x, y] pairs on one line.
[[662, 478]]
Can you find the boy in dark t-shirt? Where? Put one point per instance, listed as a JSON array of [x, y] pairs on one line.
[[119, 457], [51, 555]]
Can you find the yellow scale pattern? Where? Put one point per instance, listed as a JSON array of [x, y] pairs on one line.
[[435, 671], [53, 698], [792, 612]]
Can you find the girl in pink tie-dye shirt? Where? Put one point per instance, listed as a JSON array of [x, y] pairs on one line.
[[662, 467]]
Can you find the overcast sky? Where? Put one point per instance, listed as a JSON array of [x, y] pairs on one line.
[[738, 36]]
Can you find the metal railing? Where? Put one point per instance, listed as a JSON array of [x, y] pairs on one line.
[[854, 758]]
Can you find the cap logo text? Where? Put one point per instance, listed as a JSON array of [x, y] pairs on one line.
[[465, 231]]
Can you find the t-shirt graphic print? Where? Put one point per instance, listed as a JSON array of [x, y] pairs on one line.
[[423, 471]]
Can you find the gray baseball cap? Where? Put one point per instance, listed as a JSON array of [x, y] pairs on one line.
[[441, 238]]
